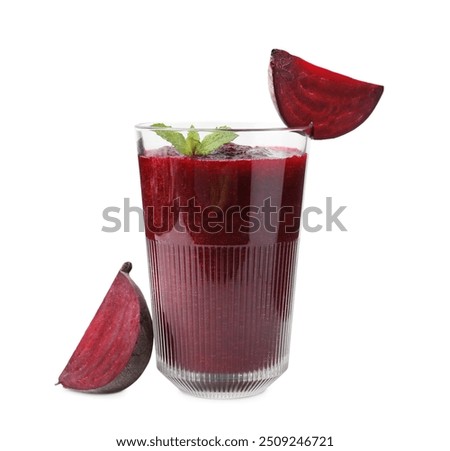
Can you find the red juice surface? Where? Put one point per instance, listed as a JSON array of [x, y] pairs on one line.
[[222, 235]]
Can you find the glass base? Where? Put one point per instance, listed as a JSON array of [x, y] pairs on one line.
[[223, 386]]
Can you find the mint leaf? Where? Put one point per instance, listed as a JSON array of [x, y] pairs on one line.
[[214, 140], [192, 141], [175, 138], [192, 145]]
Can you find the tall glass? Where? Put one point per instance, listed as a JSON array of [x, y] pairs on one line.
[[222, 233]]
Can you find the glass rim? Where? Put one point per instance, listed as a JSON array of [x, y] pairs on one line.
[[239, 127]]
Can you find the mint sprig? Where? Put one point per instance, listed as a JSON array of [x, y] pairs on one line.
[[192, 144]]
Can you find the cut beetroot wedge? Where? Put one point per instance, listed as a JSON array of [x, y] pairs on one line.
[[305, 94], [117, 345]]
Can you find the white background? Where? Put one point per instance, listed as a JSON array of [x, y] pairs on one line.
[[370, 347]]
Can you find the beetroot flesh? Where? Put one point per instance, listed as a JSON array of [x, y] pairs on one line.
[[117, 345], [305, 94]]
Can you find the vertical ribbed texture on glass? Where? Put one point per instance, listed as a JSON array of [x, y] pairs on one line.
[[222, 315]]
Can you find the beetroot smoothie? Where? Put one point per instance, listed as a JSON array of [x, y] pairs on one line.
[[222, 234]]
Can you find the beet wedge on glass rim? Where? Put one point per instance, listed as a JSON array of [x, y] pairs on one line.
[[116, 347], [305, 94]]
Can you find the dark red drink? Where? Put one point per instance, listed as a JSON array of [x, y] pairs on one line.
[[222, 233]]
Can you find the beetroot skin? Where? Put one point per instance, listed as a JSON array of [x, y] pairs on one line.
[[305, 94], [117, 345]]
